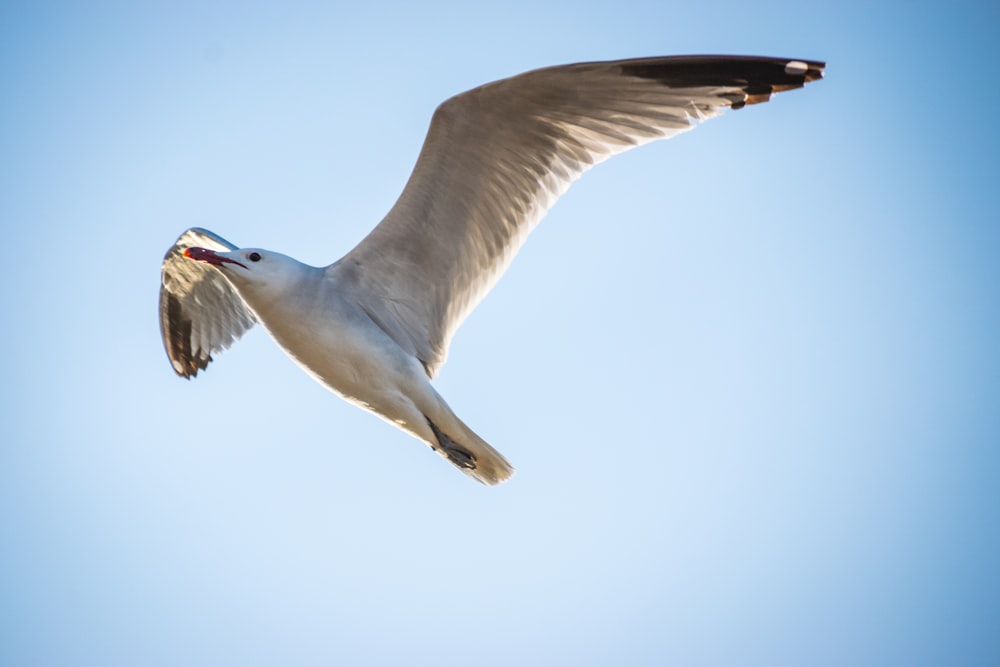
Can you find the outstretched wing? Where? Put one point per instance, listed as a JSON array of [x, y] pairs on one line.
[[200, 313], [498, 156]]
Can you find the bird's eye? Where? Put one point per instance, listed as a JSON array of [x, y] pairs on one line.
[[254, 257]]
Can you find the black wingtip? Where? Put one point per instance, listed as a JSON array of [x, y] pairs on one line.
[[176, 330], [757, 77]]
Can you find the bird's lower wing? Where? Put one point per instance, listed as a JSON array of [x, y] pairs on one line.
[[200, 313]]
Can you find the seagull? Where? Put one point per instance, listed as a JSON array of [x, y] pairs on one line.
[[375, 325]]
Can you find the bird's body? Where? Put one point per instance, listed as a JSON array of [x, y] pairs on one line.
[[311, 315], [374, 326]]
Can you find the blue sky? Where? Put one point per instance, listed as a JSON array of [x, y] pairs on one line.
[[749, 377]]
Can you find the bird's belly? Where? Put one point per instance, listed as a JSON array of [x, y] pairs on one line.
[[361, 364]]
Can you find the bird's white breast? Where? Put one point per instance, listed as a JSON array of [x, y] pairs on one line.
[[337, 343]]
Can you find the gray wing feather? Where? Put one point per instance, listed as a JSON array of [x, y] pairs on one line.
[[200, 313], [498, 156]]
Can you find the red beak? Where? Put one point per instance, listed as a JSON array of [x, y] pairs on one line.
[[209, 256]]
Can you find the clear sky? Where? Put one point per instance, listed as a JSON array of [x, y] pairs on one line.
[[749, 377]]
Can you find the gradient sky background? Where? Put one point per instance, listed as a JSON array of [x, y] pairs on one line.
[[749, 377]]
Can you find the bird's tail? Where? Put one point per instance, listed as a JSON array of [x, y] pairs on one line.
[[470, 453]]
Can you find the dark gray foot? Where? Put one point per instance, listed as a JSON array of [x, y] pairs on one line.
[[457, 454]]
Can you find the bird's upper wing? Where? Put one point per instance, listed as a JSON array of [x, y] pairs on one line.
[[200, 312], [498, 156]]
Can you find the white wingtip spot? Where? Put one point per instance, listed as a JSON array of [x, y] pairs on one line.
[[796, 68]]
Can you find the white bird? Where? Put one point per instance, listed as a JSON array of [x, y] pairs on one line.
[[374, 326]]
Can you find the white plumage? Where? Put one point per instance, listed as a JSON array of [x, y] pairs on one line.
[[375, 325]]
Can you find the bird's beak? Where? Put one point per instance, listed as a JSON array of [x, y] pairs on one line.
[[209, 256]]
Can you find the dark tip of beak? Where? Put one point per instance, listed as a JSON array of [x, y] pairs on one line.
[[208, 256]]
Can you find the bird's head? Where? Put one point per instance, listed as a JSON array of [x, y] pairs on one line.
[[253, 271]]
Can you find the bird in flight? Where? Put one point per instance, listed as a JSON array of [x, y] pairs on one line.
[[375, 325]]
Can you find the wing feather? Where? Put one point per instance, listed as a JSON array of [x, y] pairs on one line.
[[200, 313], [498, 156]]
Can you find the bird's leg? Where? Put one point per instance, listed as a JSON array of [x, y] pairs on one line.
[[457, 454]]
